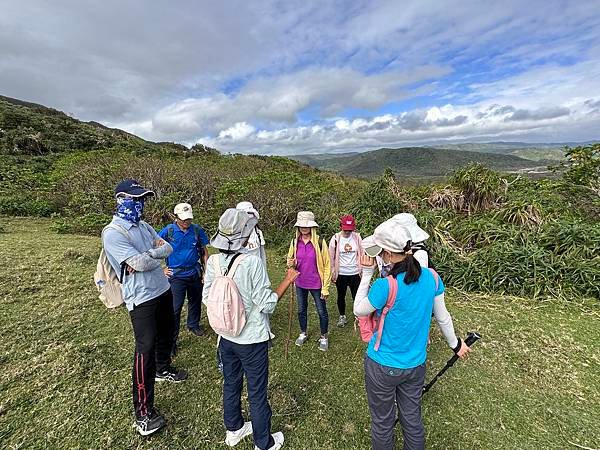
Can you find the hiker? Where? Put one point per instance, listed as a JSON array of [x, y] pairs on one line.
[[135, 250], [345, 251], [395, 363], [309, 254], [256, 243], [185, 267], [247, 353]]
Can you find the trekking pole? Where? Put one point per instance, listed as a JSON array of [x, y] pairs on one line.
[[472, 337], [290, 311]]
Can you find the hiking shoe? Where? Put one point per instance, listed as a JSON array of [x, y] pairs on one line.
[[171, 374], [278, 438], [150, 423], [301, 339], [234, 437], [197, 331], [323, 344], [342, 321]]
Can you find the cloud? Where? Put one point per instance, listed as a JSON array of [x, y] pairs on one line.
[[309, 75]]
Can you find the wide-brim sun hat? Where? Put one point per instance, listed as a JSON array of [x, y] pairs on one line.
[[183, 211], [417, 234], [306, 219], [248, 208], [392, 236], [235, 226]]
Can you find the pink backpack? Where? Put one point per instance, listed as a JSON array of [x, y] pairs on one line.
[[369, 324], [224, 305]]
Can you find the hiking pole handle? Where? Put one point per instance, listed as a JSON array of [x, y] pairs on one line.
[[472, 337]]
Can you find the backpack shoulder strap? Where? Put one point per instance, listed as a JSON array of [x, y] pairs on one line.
[[170, 232], [119, 228], [233, 265], [389, 304], [436, 277]]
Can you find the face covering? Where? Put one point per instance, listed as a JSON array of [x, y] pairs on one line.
[[130, 209], [385, 268]]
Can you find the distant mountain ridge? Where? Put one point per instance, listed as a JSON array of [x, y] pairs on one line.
[[416, 162]]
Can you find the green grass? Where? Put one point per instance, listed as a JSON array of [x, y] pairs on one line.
[[65, 361]]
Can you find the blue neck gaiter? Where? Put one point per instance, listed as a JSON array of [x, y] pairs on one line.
[[130, 209]]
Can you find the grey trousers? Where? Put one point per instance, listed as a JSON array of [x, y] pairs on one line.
[[386, 388]]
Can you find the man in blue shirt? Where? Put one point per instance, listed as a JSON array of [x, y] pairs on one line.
[[185, 267], [135, 251]]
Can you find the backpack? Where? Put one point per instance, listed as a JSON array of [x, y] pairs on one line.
[[106, 279], [371, 323], [224, 305]]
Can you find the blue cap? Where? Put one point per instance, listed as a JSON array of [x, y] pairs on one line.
[[131, 188]]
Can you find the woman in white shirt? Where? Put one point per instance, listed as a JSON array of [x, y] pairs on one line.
[[345, 250]]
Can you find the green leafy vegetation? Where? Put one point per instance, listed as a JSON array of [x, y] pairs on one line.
[[532, 382], [490, 232]]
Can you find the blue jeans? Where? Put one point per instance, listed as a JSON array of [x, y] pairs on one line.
[[251, 360], [192, 286], [302, 296]]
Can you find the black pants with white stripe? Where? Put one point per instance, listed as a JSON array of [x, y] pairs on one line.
[[153, 330]]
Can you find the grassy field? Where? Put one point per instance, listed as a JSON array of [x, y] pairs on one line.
[[532, 383]]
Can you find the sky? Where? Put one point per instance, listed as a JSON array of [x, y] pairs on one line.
[[311, 76]]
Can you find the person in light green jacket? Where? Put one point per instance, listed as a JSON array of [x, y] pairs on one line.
[[246, 354]]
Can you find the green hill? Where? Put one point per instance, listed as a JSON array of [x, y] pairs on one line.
[[415, 162]]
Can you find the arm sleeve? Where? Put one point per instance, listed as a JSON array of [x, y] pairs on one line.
[[262, 295], [332, 248], [362, 305], [444, 320], [209, 276], [142, 262], [326, 268]]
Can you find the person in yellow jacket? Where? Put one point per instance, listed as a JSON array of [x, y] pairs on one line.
[[309, 254]]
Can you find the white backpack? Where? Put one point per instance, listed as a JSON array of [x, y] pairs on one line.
[[106, 280], [225, 306]]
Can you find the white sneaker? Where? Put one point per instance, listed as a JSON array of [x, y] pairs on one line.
[[323, 344], [278, 438], [301, 339], [342, 321], [234, 437]]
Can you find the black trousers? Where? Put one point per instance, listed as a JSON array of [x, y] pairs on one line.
[[342, 283], [153, 330]]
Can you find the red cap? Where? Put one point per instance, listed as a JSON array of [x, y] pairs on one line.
[[348, 223]]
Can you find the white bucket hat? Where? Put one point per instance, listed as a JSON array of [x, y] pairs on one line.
[[417, 234], [248, 208], [306, 219], [235, 227], [390, 235], [183, 211]]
